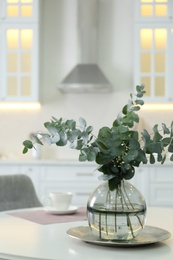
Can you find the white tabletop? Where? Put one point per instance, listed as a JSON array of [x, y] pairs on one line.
[[21, 239]]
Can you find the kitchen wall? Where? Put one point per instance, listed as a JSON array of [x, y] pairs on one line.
[[58, 54]]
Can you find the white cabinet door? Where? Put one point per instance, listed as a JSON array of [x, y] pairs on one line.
[[80, 180], [161, 186], [156, 184], [19, 51]]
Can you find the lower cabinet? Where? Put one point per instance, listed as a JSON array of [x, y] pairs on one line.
[[79, 178], [156, 184], [154, 181]]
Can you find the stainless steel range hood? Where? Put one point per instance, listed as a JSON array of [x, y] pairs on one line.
[[86, 76]]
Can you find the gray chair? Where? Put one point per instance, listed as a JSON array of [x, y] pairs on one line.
[[16, 192]]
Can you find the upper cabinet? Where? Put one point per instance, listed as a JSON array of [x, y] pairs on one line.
[[19, 50], [154, 48]]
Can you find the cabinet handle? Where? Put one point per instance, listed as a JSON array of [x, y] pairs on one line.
[[84, 174], [83, 193]]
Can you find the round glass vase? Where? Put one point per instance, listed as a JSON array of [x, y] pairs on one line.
[[116, 215]]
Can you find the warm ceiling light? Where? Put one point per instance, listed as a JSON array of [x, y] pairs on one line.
[[158, 106], [18, 106]]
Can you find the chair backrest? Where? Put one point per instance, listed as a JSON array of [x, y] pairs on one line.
[[17, 191]]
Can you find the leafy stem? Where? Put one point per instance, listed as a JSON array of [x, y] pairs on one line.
[[117, 150]]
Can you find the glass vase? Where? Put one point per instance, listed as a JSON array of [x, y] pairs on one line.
[[116, 215]]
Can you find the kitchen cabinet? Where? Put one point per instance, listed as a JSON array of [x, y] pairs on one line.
[[79, 178], [154, 48], [154, 181], [156, 184], [19, 50]]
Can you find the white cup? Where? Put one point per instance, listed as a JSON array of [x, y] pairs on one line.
[[58, 200]]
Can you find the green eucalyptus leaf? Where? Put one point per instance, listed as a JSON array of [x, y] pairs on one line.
[[113, 183], [171, 157], [159, 157], [157, 137], [172, 129], [139, 102], [51, 128], [55, 138], [135, 108], [131, 155], [47, 138], [25, 150], [155, 128], [170, 148], [63, 139], [28, 144], [152, 159], [128, 174], [82, 157], [124, 110], [165, 129], [166, 141], [106, 177], [37, 140], [163, 159], [82, 122], [89, 129], [123, 129]]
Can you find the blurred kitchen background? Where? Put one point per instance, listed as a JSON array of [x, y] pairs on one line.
[[111, 45]]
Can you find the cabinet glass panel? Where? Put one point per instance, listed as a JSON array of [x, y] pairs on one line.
[[159, 86], [12, 63], [26, 61], [159, 62], [19, 8], [25, 86], [160, 38], [145, 62], [12, 39], [154, 8], [153, 46], [146, 39], [12, 85], [26, 38], [19, 62]]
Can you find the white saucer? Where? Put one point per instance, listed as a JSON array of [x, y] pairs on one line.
[[71, 210]]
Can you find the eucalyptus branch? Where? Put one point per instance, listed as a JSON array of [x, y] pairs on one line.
[[117, 150]]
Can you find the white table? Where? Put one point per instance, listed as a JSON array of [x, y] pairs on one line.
[[21, 239]]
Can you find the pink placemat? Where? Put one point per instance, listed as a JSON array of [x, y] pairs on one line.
[[42, 217]]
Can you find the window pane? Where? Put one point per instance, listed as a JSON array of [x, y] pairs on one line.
[[12, 62], [25, 86], [26, 11], [147, 82], [145, 62], [12, 38], [160, 36], [159, 62], [25, 62], [146, 10], [161, 10], [12, 86], [159, 86], [12, 11], [146, 38], [26, 38]]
